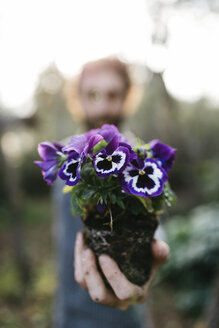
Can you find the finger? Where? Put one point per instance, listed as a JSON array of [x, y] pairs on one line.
[[160, 251], [95, 284], [123, 289], [78, 271], [150, 280]]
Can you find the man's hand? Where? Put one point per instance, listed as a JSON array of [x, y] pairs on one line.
[[123, 293]]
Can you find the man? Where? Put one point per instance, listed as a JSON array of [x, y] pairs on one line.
[[103, 88]]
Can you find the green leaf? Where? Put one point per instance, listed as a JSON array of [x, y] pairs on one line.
[[100, 200], [99, 146], [139, 143], [120, 203], [112, 198], [158, 204], [135, 208], [147, 203], [88, 193], [147, 147], [74, 188], [149, 154], [61, 158], [169, 196], [104, 196], [87, 171], [76, 207]]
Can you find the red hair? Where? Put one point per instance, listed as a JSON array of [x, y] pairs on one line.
[[111, 63]]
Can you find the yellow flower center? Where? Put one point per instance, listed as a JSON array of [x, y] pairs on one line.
[[141, 172], [109, 158]]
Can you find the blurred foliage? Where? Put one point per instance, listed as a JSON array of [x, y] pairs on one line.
[[32, 309], [193, 130], [10, 287], [35, 210], [30, 176], [194, 261], [54, 122], [28, 307]]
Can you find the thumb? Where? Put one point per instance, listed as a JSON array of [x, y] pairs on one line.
[[160, 251]]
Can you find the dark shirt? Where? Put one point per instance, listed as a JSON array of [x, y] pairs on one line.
[[73, 306]]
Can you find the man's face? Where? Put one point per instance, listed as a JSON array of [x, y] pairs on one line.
[[102, 96]]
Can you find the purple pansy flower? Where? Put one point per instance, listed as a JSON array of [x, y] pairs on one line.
[[109, 131], [49, 164], [81, 145], [71, 169], [77, 149], [112, 159], [164, 154], [91, 133], [143, 178], [76, 144]]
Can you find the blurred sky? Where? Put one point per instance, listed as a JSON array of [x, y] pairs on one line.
[[36, 33]]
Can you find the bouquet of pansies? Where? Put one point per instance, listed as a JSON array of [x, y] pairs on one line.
[[118, 190]]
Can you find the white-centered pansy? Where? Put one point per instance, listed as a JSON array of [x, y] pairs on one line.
[[155, 176], [144, 179], [106, 164], [71, 169]]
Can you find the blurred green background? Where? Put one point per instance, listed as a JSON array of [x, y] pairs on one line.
[[27, 271], [186, 290]]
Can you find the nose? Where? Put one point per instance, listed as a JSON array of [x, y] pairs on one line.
[[103, 106]]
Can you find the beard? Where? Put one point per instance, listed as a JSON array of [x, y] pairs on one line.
[[97, 122]]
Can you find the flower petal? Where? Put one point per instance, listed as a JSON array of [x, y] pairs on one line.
[[47, 151], [147, 182], [76, 144], [101, 207], [50, 175], [112, 145], [105, 164], [94, 140], [91, 133], [164, 153], [132, 154], [108, 131], [70, 171], [46, 165]]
